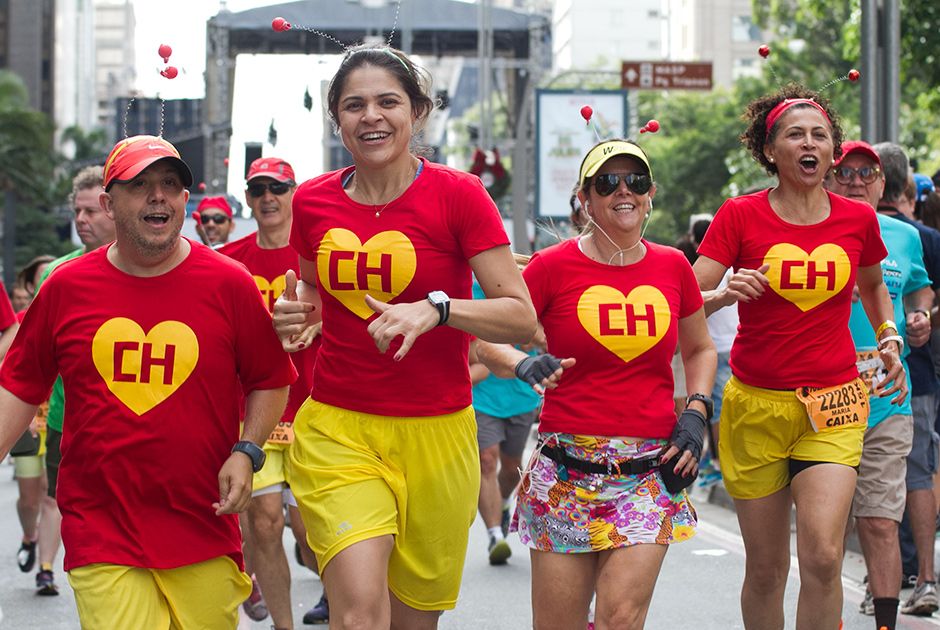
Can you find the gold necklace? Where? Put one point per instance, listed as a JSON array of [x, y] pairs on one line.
[[378, 213]]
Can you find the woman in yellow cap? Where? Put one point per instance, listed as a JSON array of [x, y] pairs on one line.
[[604, 493]]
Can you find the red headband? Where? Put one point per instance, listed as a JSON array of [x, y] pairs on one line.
[[786, 104]]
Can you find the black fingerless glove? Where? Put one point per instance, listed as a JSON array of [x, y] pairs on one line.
[[689, 434], [533, 370]]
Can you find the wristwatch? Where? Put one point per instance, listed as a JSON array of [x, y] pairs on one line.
[[441, 302], [253, 451], [705, 400]]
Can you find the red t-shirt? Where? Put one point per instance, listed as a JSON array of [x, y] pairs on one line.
[[267, 267], [7, 316], [152, 369], [621, 324], [421, 242], [797, 333]]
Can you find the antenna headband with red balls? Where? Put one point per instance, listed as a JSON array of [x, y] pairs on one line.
[[786, 104]]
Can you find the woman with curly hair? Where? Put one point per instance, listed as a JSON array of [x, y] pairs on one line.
[[794, 412]]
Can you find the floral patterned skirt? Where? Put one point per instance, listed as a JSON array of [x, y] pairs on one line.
[[569, 511]]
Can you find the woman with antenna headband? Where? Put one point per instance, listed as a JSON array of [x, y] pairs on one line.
[[384, 465], [794, 412], [603, 496]]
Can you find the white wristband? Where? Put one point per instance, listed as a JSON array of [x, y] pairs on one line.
[[886, 339]]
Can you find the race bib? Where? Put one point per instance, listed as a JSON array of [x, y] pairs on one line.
[[835, 407], [283, 433], [871, 368]]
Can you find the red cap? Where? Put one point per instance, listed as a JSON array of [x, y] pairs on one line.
[[275, 168], [132, 155], [857, 146], [215, 202]]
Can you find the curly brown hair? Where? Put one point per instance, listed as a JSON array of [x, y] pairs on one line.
[[755, 137]]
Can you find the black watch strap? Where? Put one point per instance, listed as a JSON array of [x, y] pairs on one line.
[[253, 451], [705, 400]]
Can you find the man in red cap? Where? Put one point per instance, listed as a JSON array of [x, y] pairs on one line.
[[268, 255], [153, 469], [878, 504], [214, 222]]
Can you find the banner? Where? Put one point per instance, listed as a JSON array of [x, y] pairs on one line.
[[563, 138]]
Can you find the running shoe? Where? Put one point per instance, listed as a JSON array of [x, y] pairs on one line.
[[923, 601], [499, 551], [504, 523], [319, 613], [45, 583], [908, 580], [254, 606], [867, 607], [26, 556]]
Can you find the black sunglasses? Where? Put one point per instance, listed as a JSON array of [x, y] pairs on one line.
[[608, 183], [276, 188], [218, 219], [844, 174]]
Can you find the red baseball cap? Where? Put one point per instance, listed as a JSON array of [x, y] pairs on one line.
[[215, 202], [132, 155], [857, 146], [275, 168]]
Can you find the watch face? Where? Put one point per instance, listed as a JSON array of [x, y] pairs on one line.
[[438, 297]]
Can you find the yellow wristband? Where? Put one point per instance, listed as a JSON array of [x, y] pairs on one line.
[[885, 326]]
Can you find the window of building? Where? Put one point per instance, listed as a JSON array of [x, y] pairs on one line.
[[743, 29]]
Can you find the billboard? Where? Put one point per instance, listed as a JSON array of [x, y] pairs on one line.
[[562, 139]]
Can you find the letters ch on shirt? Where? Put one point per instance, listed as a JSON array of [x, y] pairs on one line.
[[627, 325], [348, 269], [807, 279], [270, 291], [144, 369]]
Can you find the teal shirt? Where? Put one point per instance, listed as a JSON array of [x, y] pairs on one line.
[[57, 399], [502, 397], [903, 271]]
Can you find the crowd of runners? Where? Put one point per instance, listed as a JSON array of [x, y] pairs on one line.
[[368, 366]]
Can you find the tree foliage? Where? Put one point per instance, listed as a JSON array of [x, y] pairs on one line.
[[27, 169]]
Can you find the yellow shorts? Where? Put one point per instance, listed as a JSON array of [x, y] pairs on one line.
[[761, 430], [358, 476], [202, 595], [29, 466], [273, 475]]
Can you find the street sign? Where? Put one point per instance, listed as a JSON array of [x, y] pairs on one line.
[[666, 75]]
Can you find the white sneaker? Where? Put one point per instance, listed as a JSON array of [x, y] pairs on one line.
[[923, 601]]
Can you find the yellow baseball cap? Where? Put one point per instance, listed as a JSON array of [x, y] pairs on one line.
[[604, 151]]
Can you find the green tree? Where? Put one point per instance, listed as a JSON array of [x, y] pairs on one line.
[[27, 165]]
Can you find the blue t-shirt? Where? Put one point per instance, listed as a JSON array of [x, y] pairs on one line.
[[502, 397], [904, 273], [923, 377]]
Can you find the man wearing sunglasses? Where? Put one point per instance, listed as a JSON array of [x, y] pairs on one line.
[[267, 253], [214, 222], [880, 493]]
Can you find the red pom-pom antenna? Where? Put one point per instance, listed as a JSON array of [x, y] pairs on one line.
[[165, 51], [170, 72], [280, 25], [764, 51], [202, 187], [854, 75], [652, 127], [586, 112]]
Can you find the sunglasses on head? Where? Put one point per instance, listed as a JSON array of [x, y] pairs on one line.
[[276, 188], [218, 219], [844, 174], [607, 184]]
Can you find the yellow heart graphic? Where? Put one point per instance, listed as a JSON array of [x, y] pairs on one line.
[[347, 268], [270, 291], [807, 280], [143, 370], [627, 326]]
